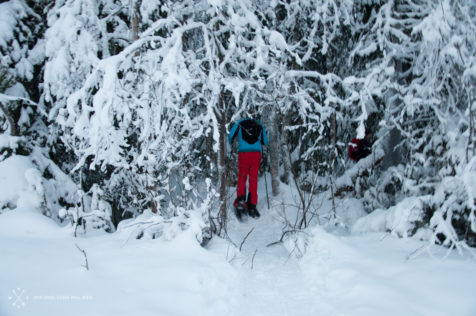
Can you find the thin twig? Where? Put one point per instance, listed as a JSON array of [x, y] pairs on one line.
[[415, 253], [244, 239], [282, 237], [253, 258], [85, 257]]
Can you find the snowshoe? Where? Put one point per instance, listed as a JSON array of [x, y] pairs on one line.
[[240, 207], [253, 212]]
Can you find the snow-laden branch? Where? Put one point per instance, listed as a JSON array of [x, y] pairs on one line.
[[349, 177], [8, 98]]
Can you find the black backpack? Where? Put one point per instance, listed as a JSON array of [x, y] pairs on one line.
[[250, 131]]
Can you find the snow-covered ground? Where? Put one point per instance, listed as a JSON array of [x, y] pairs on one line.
[[42, 271]]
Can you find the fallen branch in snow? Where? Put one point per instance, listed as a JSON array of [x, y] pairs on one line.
[[427, 248], [85, 257], [244, 239], [253, 258], [284, 234], [149, 222]]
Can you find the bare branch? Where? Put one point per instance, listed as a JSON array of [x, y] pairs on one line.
[[244, 239], [86, 265], [253, 258]]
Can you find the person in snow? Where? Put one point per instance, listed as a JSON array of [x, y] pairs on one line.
[[251, 136], [365, 147], [361, 148]]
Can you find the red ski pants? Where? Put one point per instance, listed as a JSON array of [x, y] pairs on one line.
[[248, 166]]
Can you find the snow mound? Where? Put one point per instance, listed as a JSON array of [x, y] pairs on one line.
[[23, 184], [18, 182], [28, 223], [401, 220]]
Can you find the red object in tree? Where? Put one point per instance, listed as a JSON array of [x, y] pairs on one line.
[[353, 151]]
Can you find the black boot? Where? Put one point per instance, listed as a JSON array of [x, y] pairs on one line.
[[248, 201], [252, 211], [240, 207]]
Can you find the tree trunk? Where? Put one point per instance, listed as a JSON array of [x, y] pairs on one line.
[[471, 128], [135, 25], [221, 119], [282, 143], [333, 161], [134, 21], [334, 141], [274, 154]]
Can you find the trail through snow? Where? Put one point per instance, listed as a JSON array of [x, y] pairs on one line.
[[344, 274], [272, 282], [42, 273], [368, 274]]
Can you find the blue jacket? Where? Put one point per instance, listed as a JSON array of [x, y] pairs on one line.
[[240, 130]]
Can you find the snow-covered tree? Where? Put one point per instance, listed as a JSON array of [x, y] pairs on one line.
[[139, 96], [427, 83], [22, 116], [442, 94], [20, 58]]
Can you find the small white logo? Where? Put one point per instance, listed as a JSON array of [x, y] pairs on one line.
[[17, 299]]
